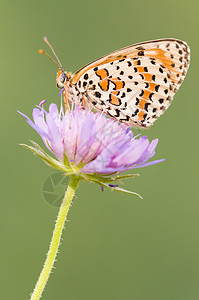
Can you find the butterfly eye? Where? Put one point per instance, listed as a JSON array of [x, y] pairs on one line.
[[63, 78]]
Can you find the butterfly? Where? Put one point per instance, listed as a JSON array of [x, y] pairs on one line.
[[134, 85]]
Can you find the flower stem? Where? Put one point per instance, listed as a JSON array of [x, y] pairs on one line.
[[54, 245]]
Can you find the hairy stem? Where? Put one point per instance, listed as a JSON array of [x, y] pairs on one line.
[[54, 245]]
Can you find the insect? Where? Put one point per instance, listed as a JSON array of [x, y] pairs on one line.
[[134, 85]]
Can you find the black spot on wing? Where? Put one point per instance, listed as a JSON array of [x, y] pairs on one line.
[[161, 100], [137, 101], [135, 112], [126, 119], [150, 96], [146, 106], [117, 113], [98, 95], [141, 53], [141, 93]]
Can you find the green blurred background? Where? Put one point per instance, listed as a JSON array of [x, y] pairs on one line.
[[115, 246]]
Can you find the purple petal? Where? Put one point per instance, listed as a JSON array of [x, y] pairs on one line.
[[34, 126], [42, 102], [54, 130], [148, 164]]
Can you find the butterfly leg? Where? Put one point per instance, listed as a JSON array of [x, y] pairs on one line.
[[85, 102], [67, 107]]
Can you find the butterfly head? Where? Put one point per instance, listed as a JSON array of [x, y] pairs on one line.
[[62, 78]]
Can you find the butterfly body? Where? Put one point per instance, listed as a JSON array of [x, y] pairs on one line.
[[134, 85]]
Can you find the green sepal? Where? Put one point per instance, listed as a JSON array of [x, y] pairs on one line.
[[117, 189], [38, 151], [69, 170], [107, 179]]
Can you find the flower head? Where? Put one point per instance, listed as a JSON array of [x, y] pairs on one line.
[[89, 144]]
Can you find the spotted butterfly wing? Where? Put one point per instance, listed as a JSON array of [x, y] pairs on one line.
[[136, 84]]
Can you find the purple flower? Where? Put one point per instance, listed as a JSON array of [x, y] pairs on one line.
[[89, 144], [91, 141]]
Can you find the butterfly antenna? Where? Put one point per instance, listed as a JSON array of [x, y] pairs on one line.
[[43, 52], [47, 42]]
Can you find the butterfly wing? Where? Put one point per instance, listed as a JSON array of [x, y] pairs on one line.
[[135, 84]]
